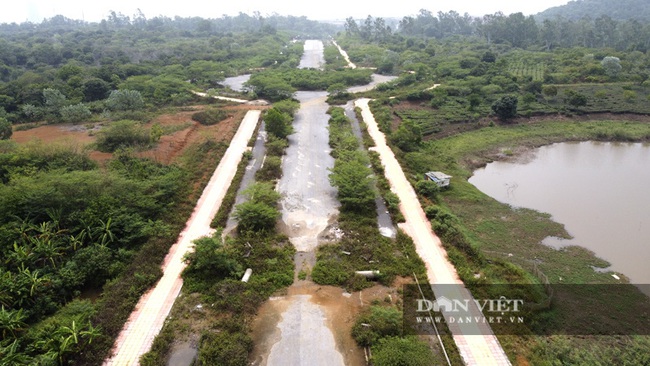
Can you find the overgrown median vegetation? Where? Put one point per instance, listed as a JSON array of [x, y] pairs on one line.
[[212, 280], [367, 248], [363, 248]]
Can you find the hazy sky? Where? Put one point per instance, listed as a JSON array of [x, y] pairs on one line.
[[37, 10]]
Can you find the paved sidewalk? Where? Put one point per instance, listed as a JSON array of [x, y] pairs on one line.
[[151, 311], [481, 349]]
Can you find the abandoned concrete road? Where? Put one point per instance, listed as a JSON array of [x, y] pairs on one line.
[[149, 315], [482, 349]]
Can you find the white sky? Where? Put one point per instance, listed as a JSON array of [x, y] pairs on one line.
[[37, 10]]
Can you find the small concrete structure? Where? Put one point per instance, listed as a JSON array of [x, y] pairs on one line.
[[247, 275], [368, 274], [440, 178]]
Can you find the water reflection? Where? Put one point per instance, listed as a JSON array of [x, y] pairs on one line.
[[599, 191]]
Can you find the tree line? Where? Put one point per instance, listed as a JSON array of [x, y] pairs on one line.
[[515, 29]]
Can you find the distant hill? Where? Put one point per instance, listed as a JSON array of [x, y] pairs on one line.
[[616, 9]]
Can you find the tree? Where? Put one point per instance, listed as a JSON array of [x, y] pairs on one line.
[[351, 27], [211, 260], [489, 57], [6, 129], [575, 98], [474, 101], [612, 66], [75, 113], [255, 216], [54, 100], [351, 176], [505, 107], [277, 123], [262, 193], [95, 89], [338, 90], [125, 100], [408, 136]]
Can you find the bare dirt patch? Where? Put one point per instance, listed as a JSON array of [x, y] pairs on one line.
[[168, 148], [340, 308]]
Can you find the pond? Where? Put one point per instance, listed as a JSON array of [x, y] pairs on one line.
[[598, 190]]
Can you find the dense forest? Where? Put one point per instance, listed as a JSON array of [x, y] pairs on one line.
[[618, 10]]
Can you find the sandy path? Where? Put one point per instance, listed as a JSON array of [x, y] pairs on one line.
[[483, 349], [236, 100], [345, 56], [149, 315]]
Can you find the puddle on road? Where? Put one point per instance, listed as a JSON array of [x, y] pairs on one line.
[[312, 324], [312, 314]]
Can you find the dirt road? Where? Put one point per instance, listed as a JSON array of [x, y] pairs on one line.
[[475, 349], [149, 315], [345, 56]]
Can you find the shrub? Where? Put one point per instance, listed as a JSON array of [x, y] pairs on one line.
[[505, 107], [225, 349], [125, 100], [253, 216], [121, 134], [549, 90], [629, 95], [272, 169], [575, 98], [329, 272], [377, 323], [5, 129], [75, 113], [278, 123], [275, 146], [210, 116], [427, 188], [408, 351]]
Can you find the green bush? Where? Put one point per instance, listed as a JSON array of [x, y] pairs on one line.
[[125, 100], [225, 349], [505, 107], [427, 188], [75, 113], [376, 323], [255, 217], [210, 116], [395, 351], [329, 272], [271, 170], [275, 146], [122, 134]]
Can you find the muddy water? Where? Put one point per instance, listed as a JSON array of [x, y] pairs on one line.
[[236, 83], [311, 324], [297, 330], [599, 191]]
